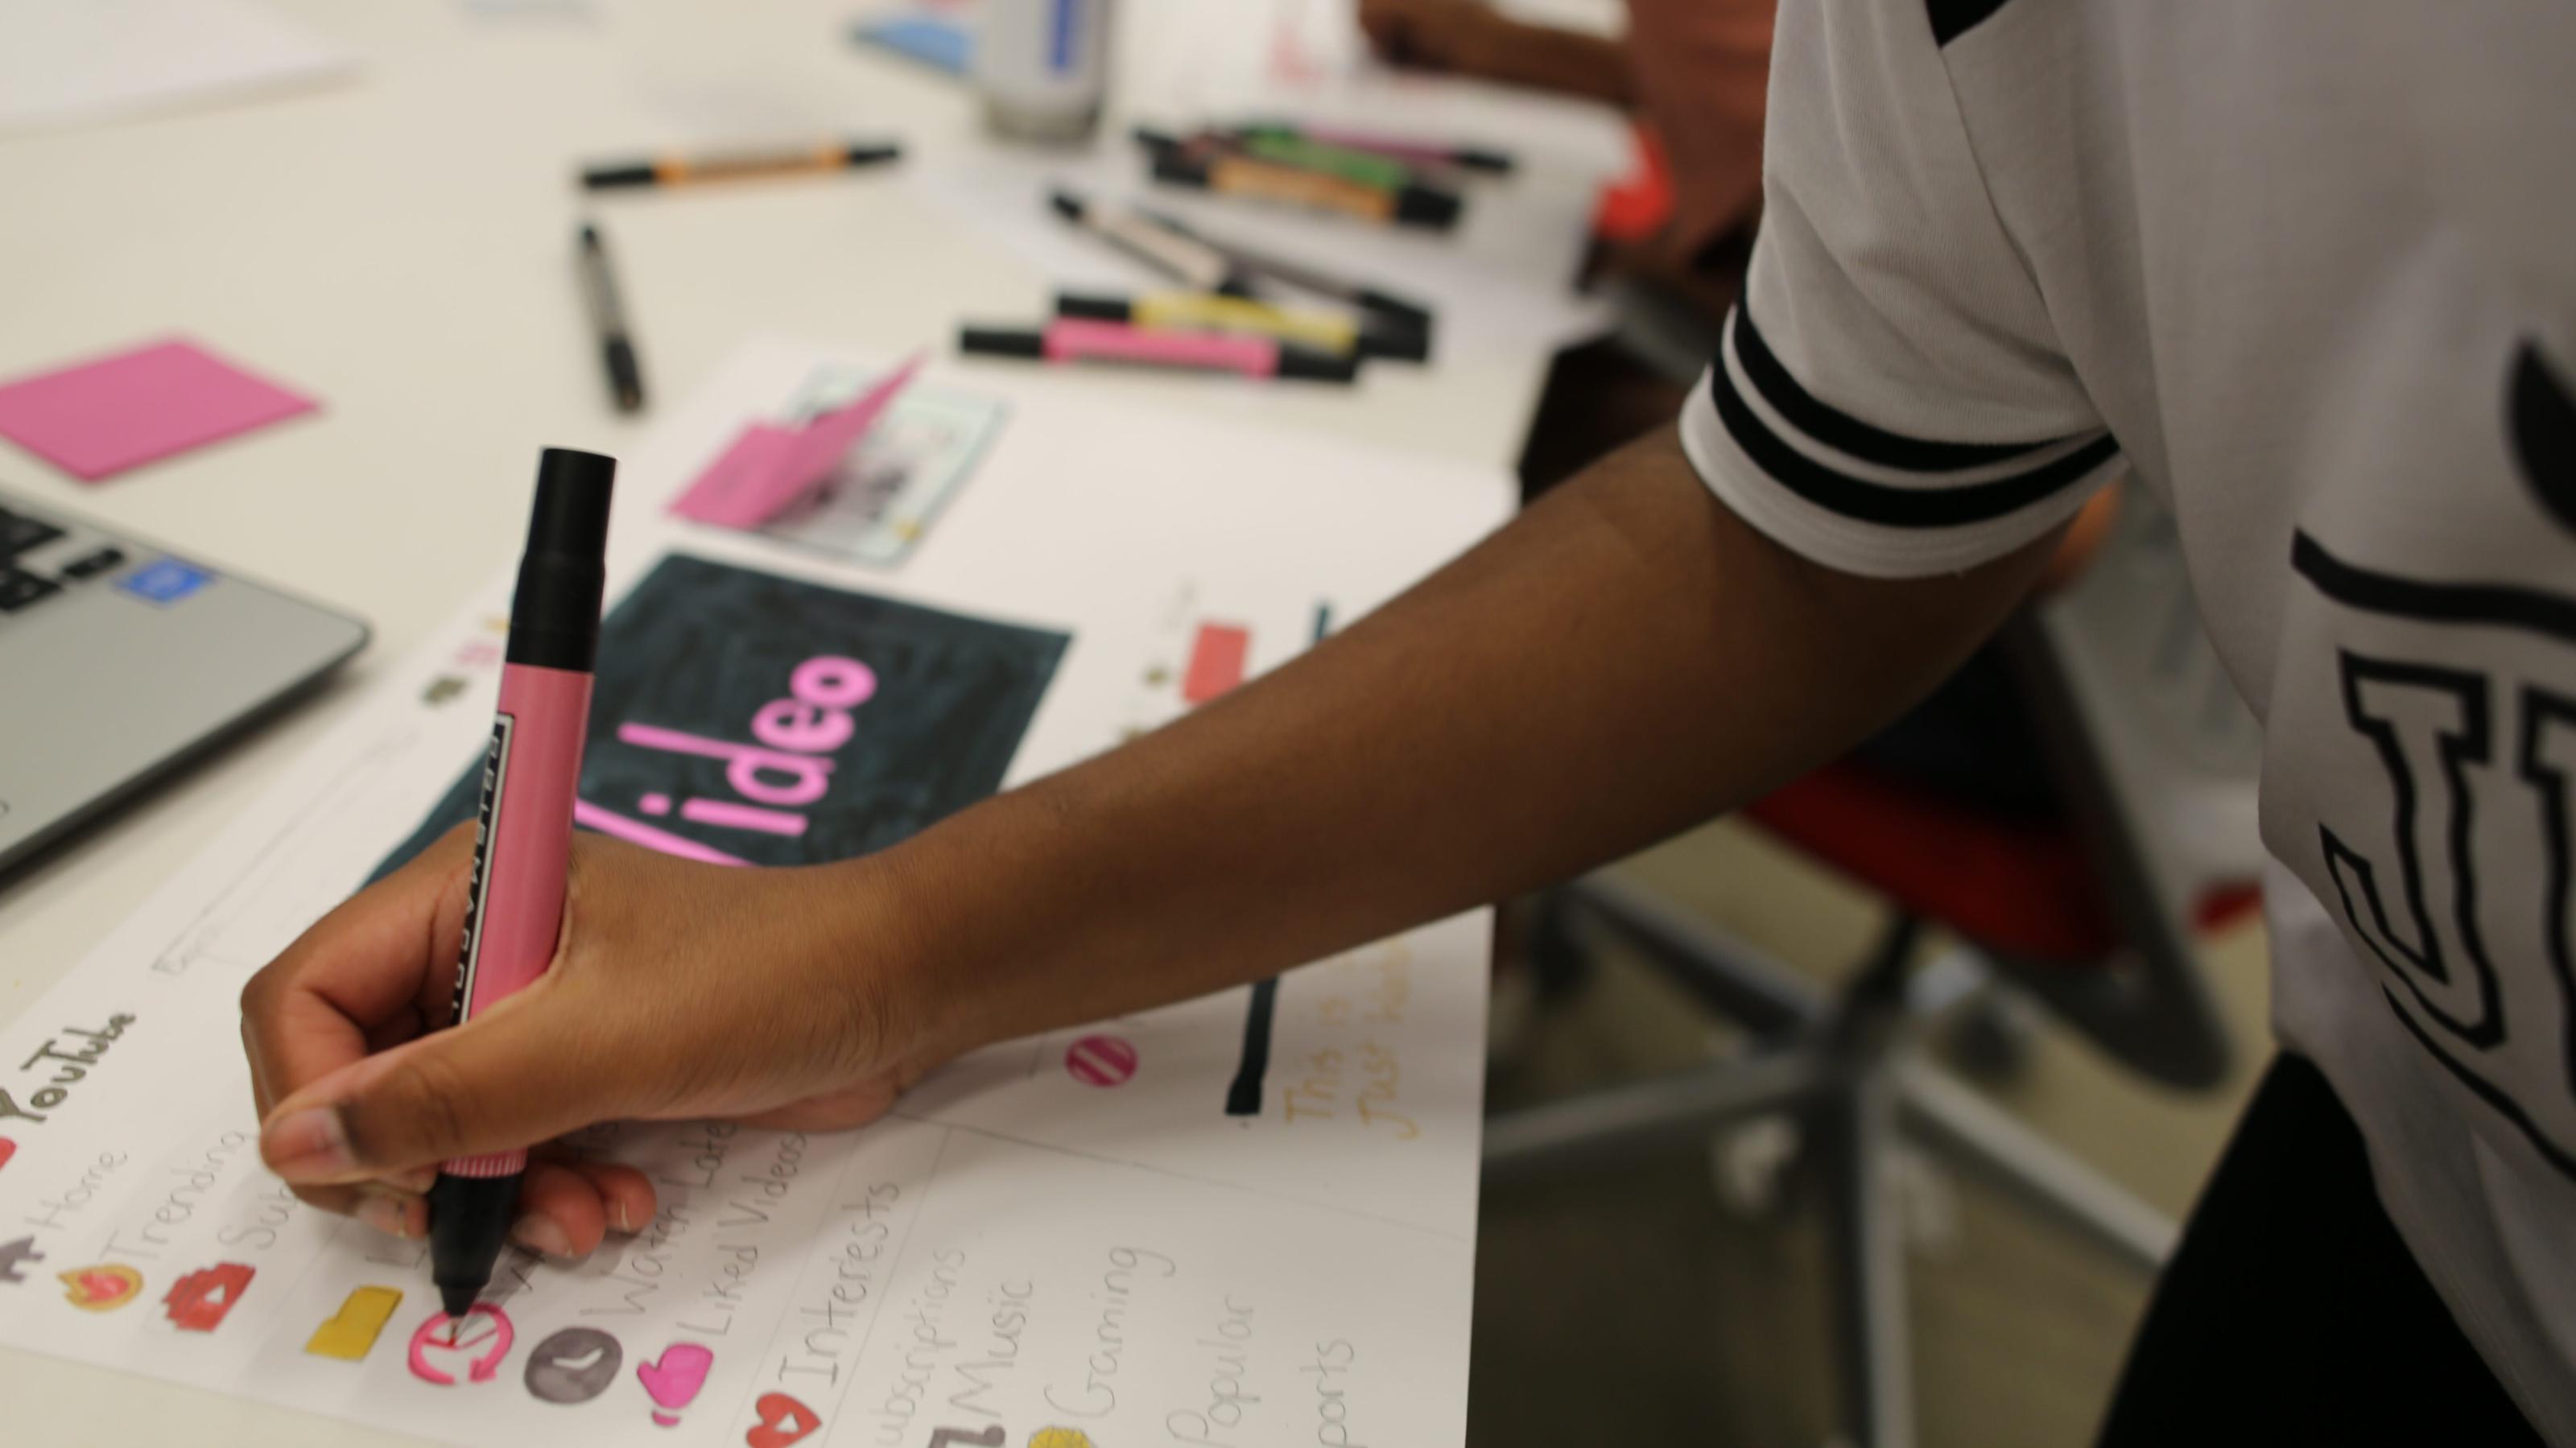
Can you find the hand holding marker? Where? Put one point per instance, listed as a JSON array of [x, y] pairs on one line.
[[523, 839]]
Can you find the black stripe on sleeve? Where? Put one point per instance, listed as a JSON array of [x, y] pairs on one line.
[[1954, 18], [1868, 502], [1845, 433], [2495, 605]]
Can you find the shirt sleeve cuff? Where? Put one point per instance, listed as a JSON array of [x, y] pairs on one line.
[[1858, 500]]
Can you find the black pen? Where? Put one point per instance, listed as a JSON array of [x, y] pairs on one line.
[[1395, 310], [608, 318], [1166, 248]]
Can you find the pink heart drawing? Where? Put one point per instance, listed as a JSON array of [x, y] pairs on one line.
[[674, 1381]]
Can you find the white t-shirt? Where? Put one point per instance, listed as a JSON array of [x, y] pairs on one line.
[[2308, 268]]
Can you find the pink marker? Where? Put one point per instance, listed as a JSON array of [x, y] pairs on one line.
[[523, 839], [1084, 339]]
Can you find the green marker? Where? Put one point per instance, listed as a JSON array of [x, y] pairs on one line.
[[1342, 161]]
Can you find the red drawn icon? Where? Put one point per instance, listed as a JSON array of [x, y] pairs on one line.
[[8, 1149], [198, 1301], [482, 1338], [103, 1288], [1101, 1061], [783, 1420], [1217, 657]]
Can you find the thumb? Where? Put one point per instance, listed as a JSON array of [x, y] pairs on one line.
[[510, 1078]]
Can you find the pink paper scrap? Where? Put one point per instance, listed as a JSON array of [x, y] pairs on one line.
[[99, 418], [768, 469]]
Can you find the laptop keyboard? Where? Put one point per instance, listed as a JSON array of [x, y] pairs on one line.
[[20, 533], [39, 560]]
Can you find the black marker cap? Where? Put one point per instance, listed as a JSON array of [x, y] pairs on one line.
[[1001, 341], [1180, 170], [1418, 205], [625, 375], [1157, 141], [1396, 310], [1396, 341], [554, 619], [1101, 309], [1313, 366], [469, 1225], [604, 178], [870, 153]]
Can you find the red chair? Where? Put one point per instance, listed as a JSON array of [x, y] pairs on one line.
[[2089, 907]]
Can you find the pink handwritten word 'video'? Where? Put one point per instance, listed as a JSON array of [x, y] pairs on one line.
[[100, 418]]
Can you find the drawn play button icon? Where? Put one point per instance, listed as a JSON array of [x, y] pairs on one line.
[[198, 1301], [1101, 1061]]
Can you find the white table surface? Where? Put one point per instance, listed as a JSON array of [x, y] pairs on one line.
[[398, 245]]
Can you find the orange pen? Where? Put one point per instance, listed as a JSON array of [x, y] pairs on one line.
[[737, 165]]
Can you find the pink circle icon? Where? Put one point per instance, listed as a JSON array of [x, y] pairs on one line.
[[1101, 1061]]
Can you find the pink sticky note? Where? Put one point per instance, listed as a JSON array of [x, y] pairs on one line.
[[1216, 661], [100, 418], [769, 469], [742, 473]]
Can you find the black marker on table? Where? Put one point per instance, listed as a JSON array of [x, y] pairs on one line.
[[1395, 310], [608, 319]]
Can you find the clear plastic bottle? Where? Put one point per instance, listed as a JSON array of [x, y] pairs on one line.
[[1043, 66]]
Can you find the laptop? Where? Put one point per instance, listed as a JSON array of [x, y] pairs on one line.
[[121, 660]]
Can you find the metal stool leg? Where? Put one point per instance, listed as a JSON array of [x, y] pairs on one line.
[[1947, 1114], [1608, 1123], [1871, 1331]]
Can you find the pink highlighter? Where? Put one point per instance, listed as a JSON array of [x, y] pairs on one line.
[[523, 838], [1083, 339]]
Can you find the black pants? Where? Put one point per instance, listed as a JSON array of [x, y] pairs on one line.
[[2292, 1313]]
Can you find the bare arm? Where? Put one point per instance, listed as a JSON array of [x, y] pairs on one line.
[[1626, 658], [1470, 37]]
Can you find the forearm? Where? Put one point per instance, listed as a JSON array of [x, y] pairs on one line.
[[1546, 58], [1624, 660]]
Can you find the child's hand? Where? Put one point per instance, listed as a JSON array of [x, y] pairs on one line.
[[678, 990]]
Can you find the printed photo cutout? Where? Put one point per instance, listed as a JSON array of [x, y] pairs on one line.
[[740, 717]]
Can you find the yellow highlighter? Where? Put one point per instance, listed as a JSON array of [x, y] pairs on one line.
[[1213, 312]]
